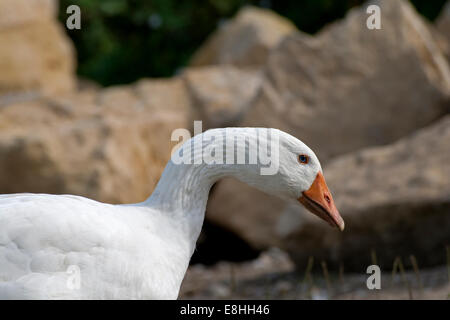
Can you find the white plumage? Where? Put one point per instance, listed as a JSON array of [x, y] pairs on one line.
[[138, 251], [120, 250]]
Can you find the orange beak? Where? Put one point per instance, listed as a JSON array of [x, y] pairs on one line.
[[319, 201]]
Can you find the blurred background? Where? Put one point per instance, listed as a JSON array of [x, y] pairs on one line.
[[90, 111], [160, 37]]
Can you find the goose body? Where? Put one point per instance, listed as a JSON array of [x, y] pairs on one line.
[[121, 250], [71, 247]]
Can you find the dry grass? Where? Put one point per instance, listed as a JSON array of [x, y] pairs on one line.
[[279, 280]]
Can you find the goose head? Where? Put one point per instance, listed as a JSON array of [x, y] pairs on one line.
[[299, 177], [301, 168]]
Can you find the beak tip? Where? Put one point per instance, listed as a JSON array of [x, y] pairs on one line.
[[342, 226]]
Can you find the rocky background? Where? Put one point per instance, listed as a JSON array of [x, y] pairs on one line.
[[374, 104]]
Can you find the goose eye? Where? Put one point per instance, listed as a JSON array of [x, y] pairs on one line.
[[303, 159]]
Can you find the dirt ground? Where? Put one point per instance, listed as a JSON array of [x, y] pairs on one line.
[[273, 276]]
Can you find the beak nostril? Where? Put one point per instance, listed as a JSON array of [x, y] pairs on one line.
[[327, 198]]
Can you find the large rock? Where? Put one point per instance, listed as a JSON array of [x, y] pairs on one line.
[[35, 53], [220, 95], [110, 145], [347, 88], [395, 200], [245, 40]]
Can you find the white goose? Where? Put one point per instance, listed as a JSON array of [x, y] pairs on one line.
[[138, 251]]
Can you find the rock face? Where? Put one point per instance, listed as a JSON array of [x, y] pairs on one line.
[[220, 95], [19, 12], [110, 145], [347, 88], [340, 77], [395, 199], [35, 54], [245, 40]]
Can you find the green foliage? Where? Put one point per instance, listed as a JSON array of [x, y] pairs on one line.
[[121, 41], [124, 40]]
